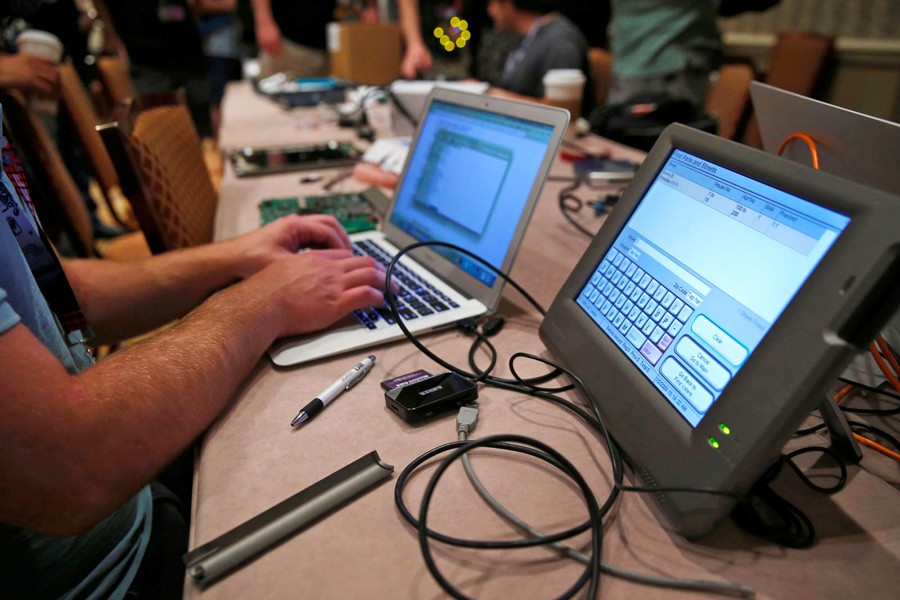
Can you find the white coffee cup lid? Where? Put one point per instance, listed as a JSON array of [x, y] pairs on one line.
[[36, 35], [564, 76]]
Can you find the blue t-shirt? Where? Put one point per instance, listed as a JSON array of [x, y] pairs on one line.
[[102, 562]]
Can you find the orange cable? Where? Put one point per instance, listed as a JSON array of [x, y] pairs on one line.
[[813, 150], [886, 353], [877, 447], [888, 374], [842, 393]]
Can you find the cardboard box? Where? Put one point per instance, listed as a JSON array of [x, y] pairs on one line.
[[366, 53]]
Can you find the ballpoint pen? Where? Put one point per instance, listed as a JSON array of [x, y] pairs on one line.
[[347, 381]]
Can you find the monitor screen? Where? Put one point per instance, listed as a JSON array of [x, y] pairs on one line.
[[468, 181], [700, 272]]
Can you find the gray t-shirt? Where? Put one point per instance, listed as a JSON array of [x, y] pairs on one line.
[[557, 44]]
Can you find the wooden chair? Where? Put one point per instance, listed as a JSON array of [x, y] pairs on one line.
[[56, 196], [728, 98], [158, 155], [600, 61], [800, 62], [116, 86], [78, 106]]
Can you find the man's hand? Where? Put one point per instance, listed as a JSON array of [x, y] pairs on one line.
[[268, 37], [416, 59], [309, 291], [285, 237], [32, 74]]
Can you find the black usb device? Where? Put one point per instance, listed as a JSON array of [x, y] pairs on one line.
[[429, 397]]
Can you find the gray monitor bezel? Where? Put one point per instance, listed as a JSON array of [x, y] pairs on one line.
[[831, 317]]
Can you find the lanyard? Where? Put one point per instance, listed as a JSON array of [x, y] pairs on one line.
[[42, 260]]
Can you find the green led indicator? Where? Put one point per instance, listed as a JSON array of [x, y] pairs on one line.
[[714, 443], [725, 428]]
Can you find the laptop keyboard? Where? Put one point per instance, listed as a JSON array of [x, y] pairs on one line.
[[415, 297], [646, 312]]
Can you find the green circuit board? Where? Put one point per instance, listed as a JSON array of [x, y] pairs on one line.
[[351, 210]]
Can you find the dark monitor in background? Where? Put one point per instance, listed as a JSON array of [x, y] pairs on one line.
[[850, 144], [714, 308]]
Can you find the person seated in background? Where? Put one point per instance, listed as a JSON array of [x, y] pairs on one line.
[[550, 41], [81, 443], [487, 46], [664, 48]]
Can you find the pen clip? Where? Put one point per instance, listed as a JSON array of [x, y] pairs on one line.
[[360, 371], [357, 377]]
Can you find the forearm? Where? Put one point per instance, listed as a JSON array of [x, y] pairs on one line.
[[409, 22], [74, 447], [120, 422], [122, 299], [262, 11]]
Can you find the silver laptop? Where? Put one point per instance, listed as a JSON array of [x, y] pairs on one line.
[[472, 177], [850, 144]]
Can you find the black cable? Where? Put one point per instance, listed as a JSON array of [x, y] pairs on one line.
[[391, 302], [853, 424], [874, 390], [480, 544], [570, 203], [481, 339], [877, 431], [591, 572], [788, 459], [490, 328], [767, 515], [401, 108]]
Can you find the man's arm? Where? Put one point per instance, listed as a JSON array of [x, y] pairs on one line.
[[417, 57], [123, 299], [268, 35], [76, 447]]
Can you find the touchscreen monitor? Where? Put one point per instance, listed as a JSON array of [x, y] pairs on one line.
[[714, 309]]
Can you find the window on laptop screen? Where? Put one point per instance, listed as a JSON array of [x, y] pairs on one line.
[[468, 180], [699, 274]]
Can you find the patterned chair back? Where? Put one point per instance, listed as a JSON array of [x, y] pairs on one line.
[[159, 157]]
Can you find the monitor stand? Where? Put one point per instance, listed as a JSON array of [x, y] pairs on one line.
[[842, 439]]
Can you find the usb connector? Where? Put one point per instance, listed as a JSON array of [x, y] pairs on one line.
[[466, 419]]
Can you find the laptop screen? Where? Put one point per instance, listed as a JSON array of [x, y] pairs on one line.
[[700, 272], [468, 181]]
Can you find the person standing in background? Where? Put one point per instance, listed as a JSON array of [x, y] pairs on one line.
[[220, 28], [664, 48], [165, 52], [291, 36]]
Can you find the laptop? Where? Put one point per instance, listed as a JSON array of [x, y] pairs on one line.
[[720, 300], [472, 177], [850, 144]]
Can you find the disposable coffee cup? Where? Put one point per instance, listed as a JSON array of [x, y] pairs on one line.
[[46, 45], [564, 88]]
